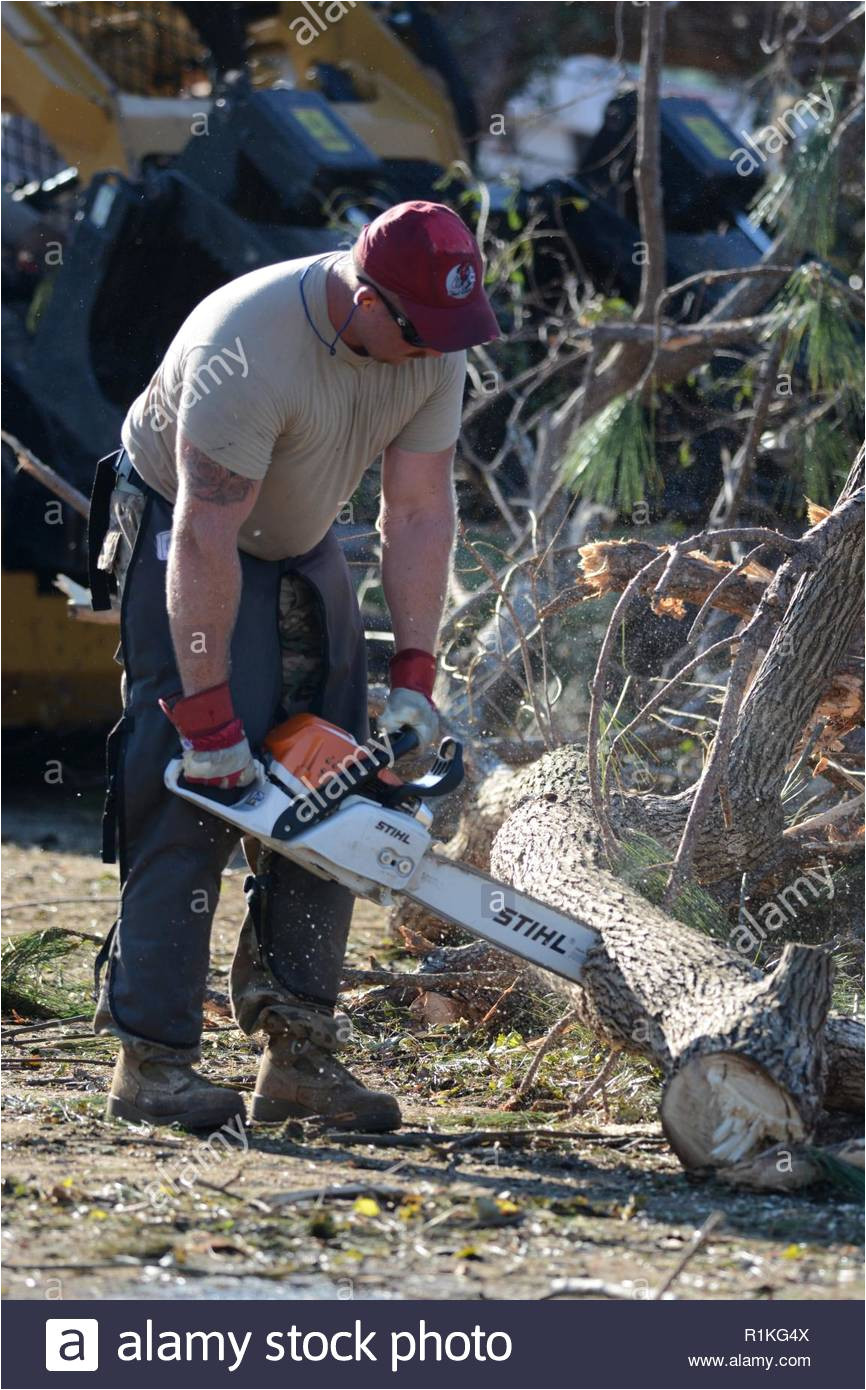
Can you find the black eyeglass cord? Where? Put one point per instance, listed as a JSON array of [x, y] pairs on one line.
[[332, 346]]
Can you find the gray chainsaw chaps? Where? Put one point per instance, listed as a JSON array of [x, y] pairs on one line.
[[171, 854]]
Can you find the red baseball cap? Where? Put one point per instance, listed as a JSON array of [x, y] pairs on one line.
[[426, 254]]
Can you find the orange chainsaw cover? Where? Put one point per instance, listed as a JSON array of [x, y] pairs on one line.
[[313, 750]]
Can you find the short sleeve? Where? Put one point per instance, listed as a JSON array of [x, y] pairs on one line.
[[226, 407], [436, 426]]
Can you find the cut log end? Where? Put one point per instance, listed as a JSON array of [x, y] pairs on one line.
[[722, 1106]]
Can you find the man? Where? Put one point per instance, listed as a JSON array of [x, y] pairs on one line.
[[237, 611]]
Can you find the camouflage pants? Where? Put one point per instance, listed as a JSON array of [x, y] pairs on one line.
[[302, 641]]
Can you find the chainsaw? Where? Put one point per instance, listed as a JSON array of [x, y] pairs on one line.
[[337, 808]]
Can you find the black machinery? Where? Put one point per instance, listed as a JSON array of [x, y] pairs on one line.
[[276, 172]]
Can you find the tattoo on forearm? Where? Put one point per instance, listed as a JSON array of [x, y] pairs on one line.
[[209, 481]]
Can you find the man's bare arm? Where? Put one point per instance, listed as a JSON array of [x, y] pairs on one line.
[[204, 573], [417, 523]]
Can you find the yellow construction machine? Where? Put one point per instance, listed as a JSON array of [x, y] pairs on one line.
[[316, 116]]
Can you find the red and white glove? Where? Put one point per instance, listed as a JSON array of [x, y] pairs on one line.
[[215, 748], [410, 702]]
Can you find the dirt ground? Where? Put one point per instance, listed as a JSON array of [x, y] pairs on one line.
[[462, 1203]]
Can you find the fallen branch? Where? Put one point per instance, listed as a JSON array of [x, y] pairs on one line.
[[596, 1084], [452, 979], [836, 813], [712, 599], [560, 1027], [409, 1139], [596, 789], [519, 630], [709, 1225], [146, 1141], [727, 505], [223, 1191], [763, 535], [609, 566], [43, 1061], [12, 1033], [345, 1193], [494, 1009], [716, 764], [665, 691], [47, 476]]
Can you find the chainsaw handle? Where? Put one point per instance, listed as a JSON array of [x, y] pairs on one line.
[[403, 742]]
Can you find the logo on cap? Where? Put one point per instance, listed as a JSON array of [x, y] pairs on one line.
[[460, 280]]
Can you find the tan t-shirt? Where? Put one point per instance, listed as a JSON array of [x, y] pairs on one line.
[[249, 383]]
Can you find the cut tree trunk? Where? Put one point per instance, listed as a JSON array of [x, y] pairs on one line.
[[748, 1058], [750, 1064], [744, 1055]]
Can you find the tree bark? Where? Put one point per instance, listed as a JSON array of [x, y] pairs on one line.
[[803, 655]]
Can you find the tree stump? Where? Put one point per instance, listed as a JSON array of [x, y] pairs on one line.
[[753, 1073]]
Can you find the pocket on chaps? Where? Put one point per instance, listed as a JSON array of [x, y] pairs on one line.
[[126, 510]]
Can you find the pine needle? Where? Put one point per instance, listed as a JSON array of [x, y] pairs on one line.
[[31, 985], [611, 459], [824, 452], [822, 333], [804, 198], [631, 749], [644, 864]]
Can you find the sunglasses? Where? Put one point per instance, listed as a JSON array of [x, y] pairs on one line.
[[408, 332]]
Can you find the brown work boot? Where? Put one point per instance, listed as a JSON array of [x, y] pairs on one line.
[[300, 1079], [164, 1090]]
